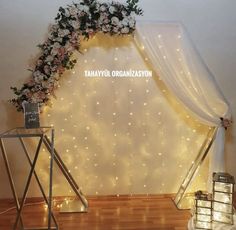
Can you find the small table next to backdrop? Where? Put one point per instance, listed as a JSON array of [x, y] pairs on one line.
[[21, 133]]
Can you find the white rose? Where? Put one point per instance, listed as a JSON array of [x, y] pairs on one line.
[[55, 48], [106, 28], [115, 21], [125, 30], [112, 9], [75, 24], [115, 29], [44, 84], [125, 22], [106, 21], [84, 8], [39, 79], [68, 47], [57, 39], [63, 33], [73, 10], [36, 73], [124, 13], [56, 45], [49, 58], [102, 8]]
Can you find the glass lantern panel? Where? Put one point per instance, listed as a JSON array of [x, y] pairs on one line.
[[222, 217], [223, 187], [204, 203], [223, 197], [222, 207], [204, 218], [204, 211], [202, 225]]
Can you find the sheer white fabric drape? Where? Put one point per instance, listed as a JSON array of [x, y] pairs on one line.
[[178, 64]]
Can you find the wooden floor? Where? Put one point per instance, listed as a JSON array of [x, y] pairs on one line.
[[156, 212]]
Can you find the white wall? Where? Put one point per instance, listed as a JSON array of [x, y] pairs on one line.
[[210, 23]]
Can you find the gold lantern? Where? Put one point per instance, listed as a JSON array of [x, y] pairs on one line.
[[203, 211], [223, 191]]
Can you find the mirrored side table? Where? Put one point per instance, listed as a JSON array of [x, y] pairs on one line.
[[21, 133]]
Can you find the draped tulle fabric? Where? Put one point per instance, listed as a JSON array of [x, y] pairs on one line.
[[178, 64]]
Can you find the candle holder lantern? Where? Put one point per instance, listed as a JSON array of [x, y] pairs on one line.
[[203, 210], [223, 192]]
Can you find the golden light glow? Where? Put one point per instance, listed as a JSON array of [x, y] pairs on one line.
[[121, 135]]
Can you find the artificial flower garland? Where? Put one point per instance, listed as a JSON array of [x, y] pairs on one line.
[[83, 19]]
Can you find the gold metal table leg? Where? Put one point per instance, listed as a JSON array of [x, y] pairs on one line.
[[13, 189], [28, 183], [38, 181], [76, 205]]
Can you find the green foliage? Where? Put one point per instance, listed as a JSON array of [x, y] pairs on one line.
[[133, 6]]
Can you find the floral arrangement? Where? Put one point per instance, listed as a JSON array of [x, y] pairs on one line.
[[79, 20], [226, 123]]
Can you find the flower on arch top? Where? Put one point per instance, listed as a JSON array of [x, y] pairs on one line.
[[78, 20]]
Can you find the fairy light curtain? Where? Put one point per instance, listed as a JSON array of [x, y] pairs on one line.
[[178, 64]]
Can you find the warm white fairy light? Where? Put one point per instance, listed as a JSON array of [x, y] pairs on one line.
[[123, 116]]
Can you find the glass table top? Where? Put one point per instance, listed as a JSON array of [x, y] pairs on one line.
[[23, 132]]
